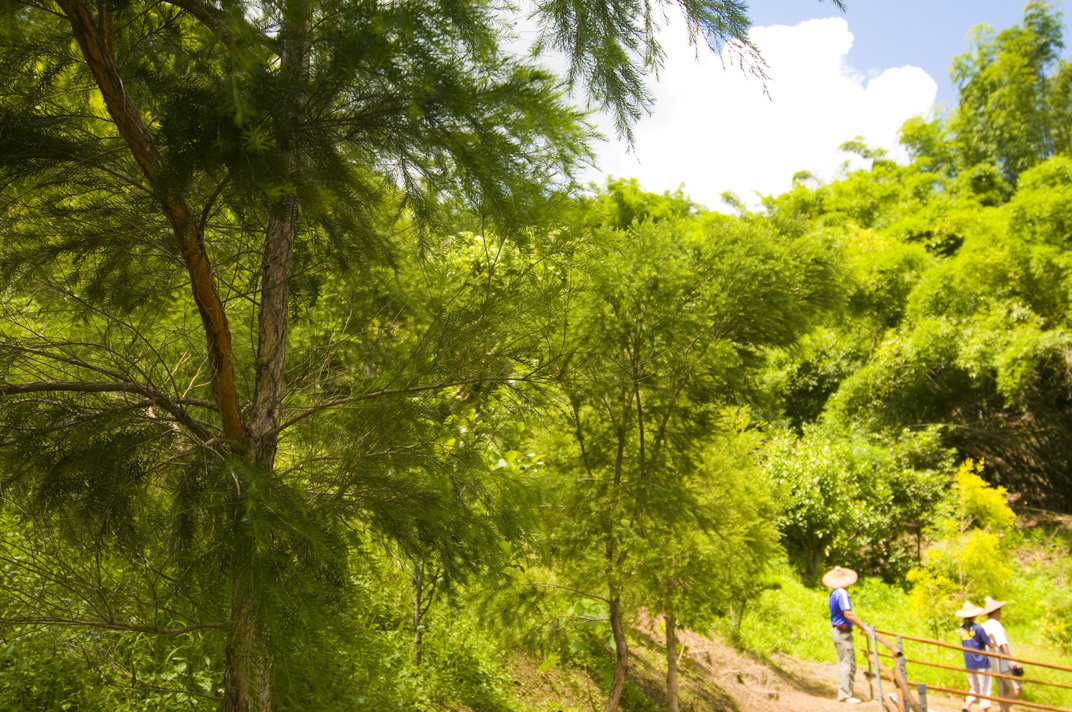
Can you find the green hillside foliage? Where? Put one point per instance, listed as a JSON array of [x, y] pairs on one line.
[[322, 386]]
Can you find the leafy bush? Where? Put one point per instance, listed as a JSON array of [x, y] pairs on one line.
[[967, 557]]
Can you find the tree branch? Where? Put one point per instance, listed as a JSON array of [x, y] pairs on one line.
[[174, 407], [582, 594], [189, 239], [411, 390], [215, 19], [108, 625]]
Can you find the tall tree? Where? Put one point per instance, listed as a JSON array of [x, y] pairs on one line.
[[1013, 109], [674, 312], [710, 559], [177, 175]]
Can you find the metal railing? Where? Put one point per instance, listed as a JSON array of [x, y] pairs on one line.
[[907, 699]]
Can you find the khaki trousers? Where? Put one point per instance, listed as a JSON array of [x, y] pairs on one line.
[[846, 662]]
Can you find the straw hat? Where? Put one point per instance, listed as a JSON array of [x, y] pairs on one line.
[[990, 605], [969, 610], [838, 577]]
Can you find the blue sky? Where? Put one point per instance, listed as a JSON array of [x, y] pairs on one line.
[[834, 76], [894, 33]]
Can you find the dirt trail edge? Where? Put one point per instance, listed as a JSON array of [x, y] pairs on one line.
[[782, 684], [714, 677]]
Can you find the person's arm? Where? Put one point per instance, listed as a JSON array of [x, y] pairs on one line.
[[1004, 650], [853, 618]]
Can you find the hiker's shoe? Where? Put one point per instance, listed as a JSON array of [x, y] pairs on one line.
[[852, 701]]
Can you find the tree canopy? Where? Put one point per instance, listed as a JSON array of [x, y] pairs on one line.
[[321, 382], [211, 325]]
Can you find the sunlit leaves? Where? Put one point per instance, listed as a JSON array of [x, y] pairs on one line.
[[845, 492], [966, 557]]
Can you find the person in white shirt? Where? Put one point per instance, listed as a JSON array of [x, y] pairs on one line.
[[999, 643]]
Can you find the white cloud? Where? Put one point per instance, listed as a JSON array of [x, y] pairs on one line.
[[714, 130]]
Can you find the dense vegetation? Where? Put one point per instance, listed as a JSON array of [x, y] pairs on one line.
[[322, 385]]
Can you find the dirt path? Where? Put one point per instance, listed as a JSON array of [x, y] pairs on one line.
[[715, 677], [784, 684]]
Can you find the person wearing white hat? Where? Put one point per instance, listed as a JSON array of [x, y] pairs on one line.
[[842, 619], [974, 640], [999, 643]]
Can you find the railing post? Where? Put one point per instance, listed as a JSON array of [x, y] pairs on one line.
[[904, 668], [899, 671], [870, 671], [873, 644]]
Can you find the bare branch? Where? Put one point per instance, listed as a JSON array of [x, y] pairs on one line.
[[411, 390], [107, 625], [171, 406]]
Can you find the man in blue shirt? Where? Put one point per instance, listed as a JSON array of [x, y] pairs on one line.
[[842, 619]]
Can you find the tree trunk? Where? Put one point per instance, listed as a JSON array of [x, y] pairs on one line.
[[737, 614], [248, 654], [418, 589], [248, 661], [671, 663], [278, 256], [279, 237], [621, 654], [813, 559], [97, 43], [247, 683]]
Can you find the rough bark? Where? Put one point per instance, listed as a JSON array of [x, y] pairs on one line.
[[279, 237], [418, 590], [246, 683], [272, 333], [249, 657], [671, 663], [621, 654]]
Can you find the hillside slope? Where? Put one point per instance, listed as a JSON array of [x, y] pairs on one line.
[[715, 677]]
